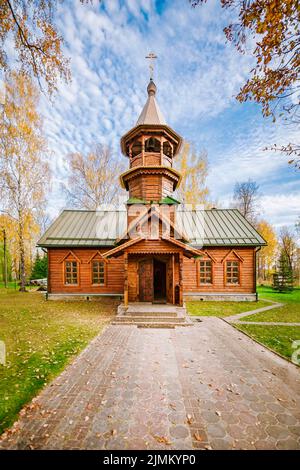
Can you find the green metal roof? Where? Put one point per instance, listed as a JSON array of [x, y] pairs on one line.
[[169, 200], [214, 227], [136, 200]]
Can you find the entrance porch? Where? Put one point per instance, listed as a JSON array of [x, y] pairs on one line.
[[155, 278]]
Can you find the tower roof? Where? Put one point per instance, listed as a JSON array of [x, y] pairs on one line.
[[151, 114]]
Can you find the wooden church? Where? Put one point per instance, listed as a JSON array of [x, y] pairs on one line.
[[154, 249]]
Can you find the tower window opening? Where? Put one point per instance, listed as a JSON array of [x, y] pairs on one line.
[[136, 148], [152, 145], [167, 149]]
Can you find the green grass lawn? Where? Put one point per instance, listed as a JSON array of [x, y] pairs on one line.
[[221, 309], [278, 338], [290, 312], [41, 337]]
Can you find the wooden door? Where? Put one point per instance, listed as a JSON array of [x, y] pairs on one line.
[[146, 280], [170, 280]]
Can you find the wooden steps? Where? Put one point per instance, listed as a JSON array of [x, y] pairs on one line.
[[148, 315]]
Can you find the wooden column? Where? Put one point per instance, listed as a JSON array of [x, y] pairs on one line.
[[143, 150], [180, 279], [125, 279], [173, 279], [161, 152]]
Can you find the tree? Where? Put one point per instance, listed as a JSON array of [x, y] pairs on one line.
[[297, 226], [288, 245], [24, 175], [93, 178], [193, 168], [274, 79], [267, 254], [40, 267], [283, 278], [245, 197], [37, 44]]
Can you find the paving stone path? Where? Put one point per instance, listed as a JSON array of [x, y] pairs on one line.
[[207, 386]]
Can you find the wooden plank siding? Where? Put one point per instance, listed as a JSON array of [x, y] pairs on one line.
[[114, 275], [151, 187], [191, 281]]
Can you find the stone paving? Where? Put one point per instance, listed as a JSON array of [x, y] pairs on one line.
[[204, 387]]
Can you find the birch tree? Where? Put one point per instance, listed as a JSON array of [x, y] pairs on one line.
[[93, 178], [24, 174], [193, 167], [245, 199]]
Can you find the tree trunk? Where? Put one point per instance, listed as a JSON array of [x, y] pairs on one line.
[[22, 258]]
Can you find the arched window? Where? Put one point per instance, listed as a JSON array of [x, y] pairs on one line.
[[152, 145], [167, 149], [136, 148]]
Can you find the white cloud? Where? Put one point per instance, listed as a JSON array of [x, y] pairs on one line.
[[197, 77]]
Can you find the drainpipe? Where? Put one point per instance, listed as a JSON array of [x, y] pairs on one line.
[[257, 249]]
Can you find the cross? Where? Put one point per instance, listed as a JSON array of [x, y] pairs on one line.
[[151, 56]]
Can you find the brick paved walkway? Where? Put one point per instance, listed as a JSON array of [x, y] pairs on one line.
[[208, 386]]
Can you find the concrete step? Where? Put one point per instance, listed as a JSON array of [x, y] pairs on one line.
[[151, 314], [147, 319], [153, 325]]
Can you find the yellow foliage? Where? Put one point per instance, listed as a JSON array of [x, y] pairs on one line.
[[267, 254], [24, 174], [193, 168]]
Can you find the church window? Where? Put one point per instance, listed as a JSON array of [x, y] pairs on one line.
[[205, 276], [232, 272], [98, 272], [71, 272]]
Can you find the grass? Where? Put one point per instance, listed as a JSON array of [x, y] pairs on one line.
[[290, 312], [277, 338], [221, 309], [41, 338]]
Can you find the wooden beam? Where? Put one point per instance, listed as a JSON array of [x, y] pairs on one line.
[[173, 279], [126, 279], [180, 279]]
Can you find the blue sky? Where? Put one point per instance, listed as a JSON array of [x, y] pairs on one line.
[[197, 75]]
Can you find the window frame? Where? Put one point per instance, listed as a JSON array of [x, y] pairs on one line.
[[199, 272], [98, 260], [231, 284], [65, 272]]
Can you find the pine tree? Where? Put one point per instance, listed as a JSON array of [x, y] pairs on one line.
[[283, 278], [40, 267]]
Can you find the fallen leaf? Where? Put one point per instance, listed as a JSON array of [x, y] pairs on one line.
[[163, 440], [218, 413], [171, 405], [197, 437], [207, 447], [189, 419], [113, 432], [86, 418]]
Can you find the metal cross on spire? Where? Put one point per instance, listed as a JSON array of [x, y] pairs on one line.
[[151, 56]]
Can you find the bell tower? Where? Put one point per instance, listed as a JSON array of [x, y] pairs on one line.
[[150, 147]]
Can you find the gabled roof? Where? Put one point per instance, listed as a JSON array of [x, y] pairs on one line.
[[215, 227], [151, 113]]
